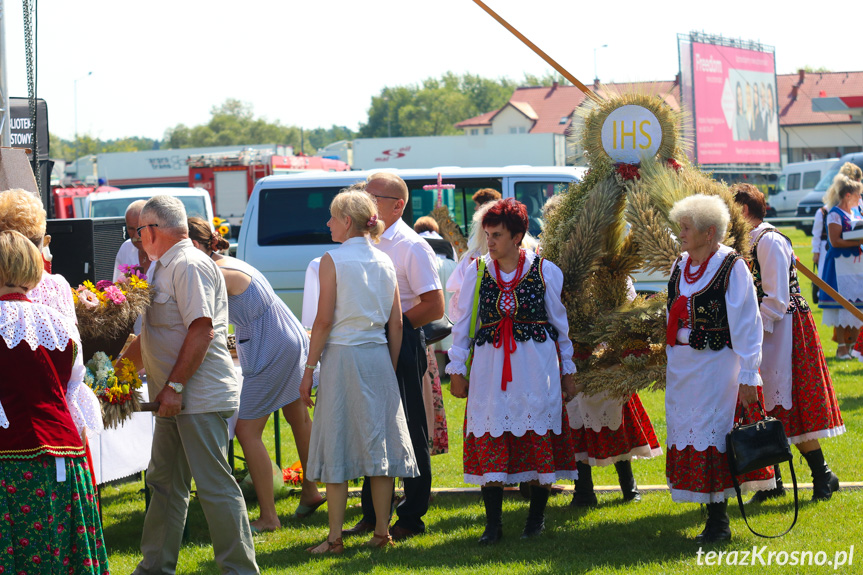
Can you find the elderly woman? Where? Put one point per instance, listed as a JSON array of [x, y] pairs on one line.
[[516, 429], [22, 211], [272, 347], [798, 390], [714, 350], [51, 522], [842, 266], [359, 427]]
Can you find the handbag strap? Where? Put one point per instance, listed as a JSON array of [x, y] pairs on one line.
[[743, 511], [473, 315]]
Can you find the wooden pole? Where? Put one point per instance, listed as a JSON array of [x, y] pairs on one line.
[[539, 52], [830, 291]]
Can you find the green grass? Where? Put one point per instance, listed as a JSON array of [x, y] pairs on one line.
[[651, 537]]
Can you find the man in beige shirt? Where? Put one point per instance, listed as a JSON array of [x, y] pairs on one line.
[[183, 348]]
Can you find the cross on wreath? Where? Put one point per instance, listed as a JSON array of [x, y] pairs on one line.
[[440, 187]]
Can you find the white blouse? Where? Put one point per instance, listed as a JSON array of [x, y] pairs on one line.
[[532, 400]]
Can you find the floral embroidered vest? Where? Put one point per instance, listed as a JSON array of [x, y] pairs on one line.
[[530, 320], [708, 314], [797, 299]]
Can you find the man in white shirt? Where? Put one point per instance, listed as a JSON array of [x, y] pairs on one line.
[[131, 253], [422, 301]]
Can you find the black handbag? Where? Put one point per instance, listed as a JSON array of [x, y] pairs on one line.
[[753, 446], [437, 330]]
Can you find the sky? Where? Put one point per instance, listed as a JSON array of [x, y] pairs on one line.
[[138, 68]]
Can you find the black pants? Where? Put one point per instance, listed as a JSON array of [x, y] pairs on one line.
[[411, 368]]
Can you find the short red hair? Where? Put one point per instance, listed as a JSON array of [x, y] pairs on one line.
[[509, 212]]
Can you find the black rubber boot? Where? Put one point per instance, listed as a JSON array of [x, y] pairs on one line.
[[536, 515], [824, 481], [628, 487], [584, 495], [718, 526], [492, 497], [776, 492]]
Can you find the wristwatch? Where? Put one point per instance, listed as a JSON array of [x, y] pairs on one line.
[[178, 387]]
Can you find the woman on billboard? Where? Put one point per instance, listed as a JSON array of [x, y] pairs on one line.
[[741, 126]]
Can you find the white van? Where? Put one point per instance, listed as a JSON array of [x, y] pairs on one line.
[[284, 227], [797, 180], [114, 204]]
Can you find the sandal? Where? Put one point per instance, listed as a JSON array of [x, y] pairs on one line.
[[304, 511], [383, 541], [334, 547]]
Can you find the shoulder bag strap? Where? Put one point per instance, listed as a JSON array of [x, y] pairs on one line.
[[743, 511]]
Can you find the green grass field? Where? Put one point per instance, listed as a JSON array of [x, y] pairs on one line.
[[651, 537]]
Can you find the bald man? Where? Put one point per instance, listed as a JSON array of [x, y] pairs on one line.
[[131, 252], [422, 301]]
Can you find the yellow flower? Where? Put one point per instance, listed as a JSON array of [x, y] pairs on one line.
[[224, 230], [217, 221]]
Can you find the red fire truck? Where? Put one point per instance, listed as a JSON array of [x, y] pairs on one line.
[[231, 177], [67, 201]]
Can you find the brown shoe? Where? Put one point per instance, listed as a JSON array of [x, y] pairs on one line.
[[361, 527], [400, 533]]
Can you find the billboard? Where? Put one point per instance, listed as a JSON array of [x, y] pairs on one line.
[[733, 100]]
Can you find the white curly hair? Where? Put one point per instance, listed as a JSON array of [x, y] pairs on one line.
[[704, 211]]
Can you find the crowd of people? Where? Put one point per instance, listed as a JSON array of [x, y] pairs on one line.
[[369, 374]]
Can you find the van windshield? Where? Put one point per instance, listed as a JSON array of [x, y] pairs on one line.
[[827, 178], [195, 206]]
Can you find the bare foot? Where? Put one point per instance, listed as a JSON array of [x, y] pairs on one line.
[[262, 526], [327, 546]]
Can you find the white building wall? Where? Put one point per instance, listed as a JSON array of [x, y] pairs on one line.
[[510, 118]]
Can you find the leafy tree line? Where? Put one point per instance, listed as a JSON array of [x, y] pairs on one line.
[[429, 108]]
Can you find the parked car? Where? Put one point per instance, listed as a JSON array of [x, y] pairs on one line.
[[815, 199], [795, 182]]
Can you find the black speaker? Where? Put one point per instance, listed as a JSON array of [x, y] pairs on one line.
[[85, 248]]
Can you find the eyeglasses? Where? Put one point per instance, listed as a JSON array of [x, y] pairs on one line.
[[387, 197], [138, 230]]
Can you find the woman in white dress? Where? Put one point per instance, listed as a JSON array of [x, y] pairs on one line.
[[359, 428], [714, 351]]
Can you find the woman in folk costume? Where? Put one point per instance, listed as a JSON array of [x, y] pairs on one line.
[[714, 351], [798, 390], [608, 430], [515, 425], [842, 266], [51, 523]]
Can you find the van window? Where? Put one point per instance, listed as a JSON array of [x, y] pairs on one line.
[[295, 216], [810, 179], [458, 200], [828, 176], [793, 182], [534, 195], [195, 206]]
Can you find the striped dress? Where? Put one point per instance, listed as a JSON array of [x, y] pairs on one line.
[[272, 346]]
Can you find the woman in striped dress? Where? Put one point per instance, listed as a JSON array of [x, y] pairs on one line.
[[272, 348]]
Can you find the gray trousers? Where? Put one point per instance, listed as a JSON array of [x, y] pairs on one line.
[[186, 447]]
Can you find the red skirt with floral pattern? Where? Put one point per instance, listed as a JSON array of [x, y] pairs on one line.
[[634, 439], [511, 459], [814, 412], [703, 476]]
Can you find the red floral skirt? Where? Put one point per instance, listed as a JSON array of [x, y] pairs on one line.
[[703, 476], [634, 439], [814, 412], [511, 459]]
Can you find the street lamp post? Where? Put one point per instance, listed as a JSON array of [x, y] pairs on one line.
[[76, 118], [595, 73]]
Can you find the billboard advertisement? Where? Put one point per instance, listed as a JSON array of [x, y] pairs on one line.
[[734, 105]]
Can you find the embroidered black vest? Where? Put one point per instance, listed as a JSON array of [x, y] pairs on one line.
[[708, 314], [797, 299], [530, 320]]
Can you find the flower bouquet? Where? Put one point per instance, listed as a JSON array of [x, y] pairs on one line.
[[107, 311], [117, 390]]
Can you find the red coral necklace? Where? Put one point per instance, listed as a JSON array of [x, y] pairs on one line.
[[692, 277], [508, 286]]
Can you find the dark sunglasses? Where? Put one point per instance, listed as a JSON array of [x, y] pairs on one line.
[[138, 230]]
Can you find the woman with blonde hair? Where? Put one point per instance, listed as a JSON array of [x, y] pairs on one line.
[[842, 267], [359, 427], [714, 352], [51, 521], [272, 348]]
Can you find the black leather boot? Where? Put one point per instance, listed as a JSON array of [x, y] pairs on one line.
[[492, 497], [627, 481], [824, 481], [778, 491], [718, 526], [536, 515], [584, 495]]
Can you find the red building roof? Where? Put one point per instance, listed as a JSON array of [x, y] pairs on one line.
[[795, 97]]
